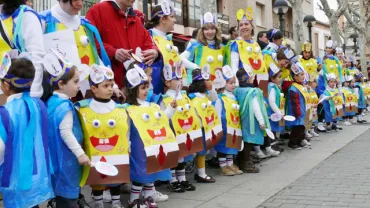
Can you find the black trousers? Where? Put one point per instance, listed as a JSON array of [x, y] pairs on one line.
[[65, 203], [297, 135]]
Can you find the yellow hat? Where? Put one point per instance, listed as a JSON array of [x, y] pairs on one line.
[[307, 46], [245, 15]]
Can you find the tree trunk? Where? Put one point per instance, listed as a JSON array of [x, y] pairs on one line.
[[298, 25], [363, 38], [334, 29]]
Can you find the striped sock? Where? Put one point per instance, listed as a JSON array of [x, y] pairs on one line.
[[148, 190], [230, 160], [135, 192], [173, 173], [115, 199], [98, 200], [180, 174], [222, 162]]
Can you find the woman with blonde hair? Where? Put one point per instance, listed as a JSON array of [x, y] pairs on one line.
[[208, 48]]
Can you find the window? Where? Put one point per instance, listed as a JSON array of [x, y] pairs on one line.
[[316, 49], [219, 6], [260, 15], [178, 11], [194, 13]]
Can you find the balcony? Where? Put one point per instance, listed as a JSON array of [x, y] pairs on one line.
[[223, 22]]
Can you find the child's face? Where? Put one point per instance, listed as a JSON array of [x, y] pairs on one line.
[[148, 72], [328, 51], [352, 84], [313, 85], [362, 79], [103, 90], [332, 83], [5, 87], [283, 63], [277, 80], [173, 84], [142, 92], [72, 87], [319, 67], [345, 84], [230, 85], [299, 77]]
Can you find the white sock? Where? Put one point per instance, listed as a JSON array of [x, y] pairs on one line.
[[173, 179], [202, 172], [222, 161], [180, 174], [257, 148], [135, 192], [230, 160], [148, 190], [359, 117], [98, 199], [115, 199], [321, 125], [269, 149]]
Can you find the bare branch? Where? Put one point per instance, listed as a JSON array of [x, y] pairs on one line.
[[291, 1], [320, 7], [352, 23], [353, 11], [325, 7], [342, 8]]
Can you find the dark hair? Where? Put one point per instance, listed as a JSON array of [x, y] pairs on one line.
[[66, 77], [65, 1], [11, 5], [261, 33], [277, 35], [195, 33], [156, 20], [132, 93], [240, 74], [311, 56], [275, 75], [232, 29], [22, 68], [197, 85]]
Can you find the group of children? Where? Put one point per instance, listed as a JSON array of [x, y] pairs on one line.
[[236, 102]]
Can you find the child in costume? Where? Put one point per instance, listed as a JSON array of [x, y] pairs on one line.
[[208, 50], [360, 94], [333, 103], [314, 100], [276, 105], [228, 110], [65, 132], [202, 95], [25, 161], [246, 53], [185, 124], [297, 99], [308, 62], [106, 136], [253, 117], [351, 67], [153, 146], [350, 100]]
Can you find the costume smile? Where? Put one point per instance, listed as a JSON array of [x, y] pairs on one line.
[[256, 64], [210, 120], [104, 144], [186, 124], [158, 135], [234, 119]]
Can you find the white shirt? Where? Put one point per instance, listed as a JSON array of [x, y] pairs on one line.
[[272, 101], [32, 36], [72, 22]]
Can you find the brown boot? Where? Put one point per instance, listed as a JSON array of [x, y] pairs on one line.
[[235, 169], [250, 168], [226, 171]]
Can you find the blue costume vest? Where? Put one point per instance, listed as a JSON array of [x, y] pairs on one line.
[[274, 124], [289, 109]]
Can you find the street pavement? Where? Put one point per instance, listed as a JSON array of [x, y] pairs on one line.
[[329, 174]]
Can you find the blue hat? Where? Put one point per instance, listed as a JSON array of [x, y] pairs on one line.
[[273, 69], [166, 9], [14, 81], [319, 60]]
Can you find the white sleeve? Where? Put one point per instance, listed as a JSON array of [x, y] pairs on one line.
[[218, 107], [67, 135], [33, 39], [356, 92], [169, 111], [212, 95], [185, 60], [235, 61], [257, 111], [272, 101]]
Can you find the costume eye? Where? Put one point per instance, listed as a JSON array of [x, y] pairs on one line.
[[96, 123], [209, 103], [257, 49], [145, 117], [176, 49], [234, 106], [204, 106], [331, 67], [237, 107], [187, 106], [249, 49], [157, 115], [180, 109], [169, 47], [111, 123]]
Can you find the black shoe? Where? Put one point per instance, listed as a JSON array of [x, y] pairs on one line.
[[334, 127], [255, 159], [207, 179], [322, 130], [212, 163], [284, 136], [52, 203], [294, 147], [280, 142], [188, 186], [358, 121], [277, 148], [176, 187], [364, 121], [81, 202]]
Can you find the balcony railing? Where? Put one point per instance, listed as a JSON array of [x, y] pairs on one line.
[[87, 4], [288, 34], [41, 5], [223, 21]]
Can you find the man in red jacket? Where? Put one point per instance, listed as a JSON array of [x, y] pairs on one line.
[[122, 32]]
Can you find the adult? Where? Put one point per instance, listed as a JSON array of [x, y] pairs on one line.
[[246, 53], [122, 33], [24, 33], [233, 33], [262, 39]]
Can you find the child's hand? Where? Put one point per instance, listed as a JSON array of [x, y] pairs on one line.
[[84, 160], [208, 85], [173, 104], [314, 105], [262, 127]]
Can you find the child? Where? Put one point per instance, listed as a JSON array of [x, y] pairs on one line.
[[25, 176], [65, 131], [106, 134], [185, 125], [297, 99], [253, 116], [228, 110], [153, 146], [333, 104], [202, 94], [359, 91], [314, 100], [350, 100], [275, 101]]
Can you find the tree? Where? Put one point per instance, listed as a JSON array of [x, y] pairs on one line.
[[297, 23]]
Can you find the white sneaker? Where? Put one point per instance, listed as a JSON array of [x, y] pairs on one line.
[[304, 143], [117, 205], [312, 131], [352, 121], [272, 153], [159, 197], [261, 155], [98, 205], [347, 123], [107, 198], [308, 135]]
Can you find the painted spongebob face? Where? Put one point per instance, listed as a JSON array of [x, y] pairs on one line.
[[250, 54], [185, 120], [332, 66], [170, 53], [106, 132], [338, 101], [209, 115], [254, 59], [234, 117]]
